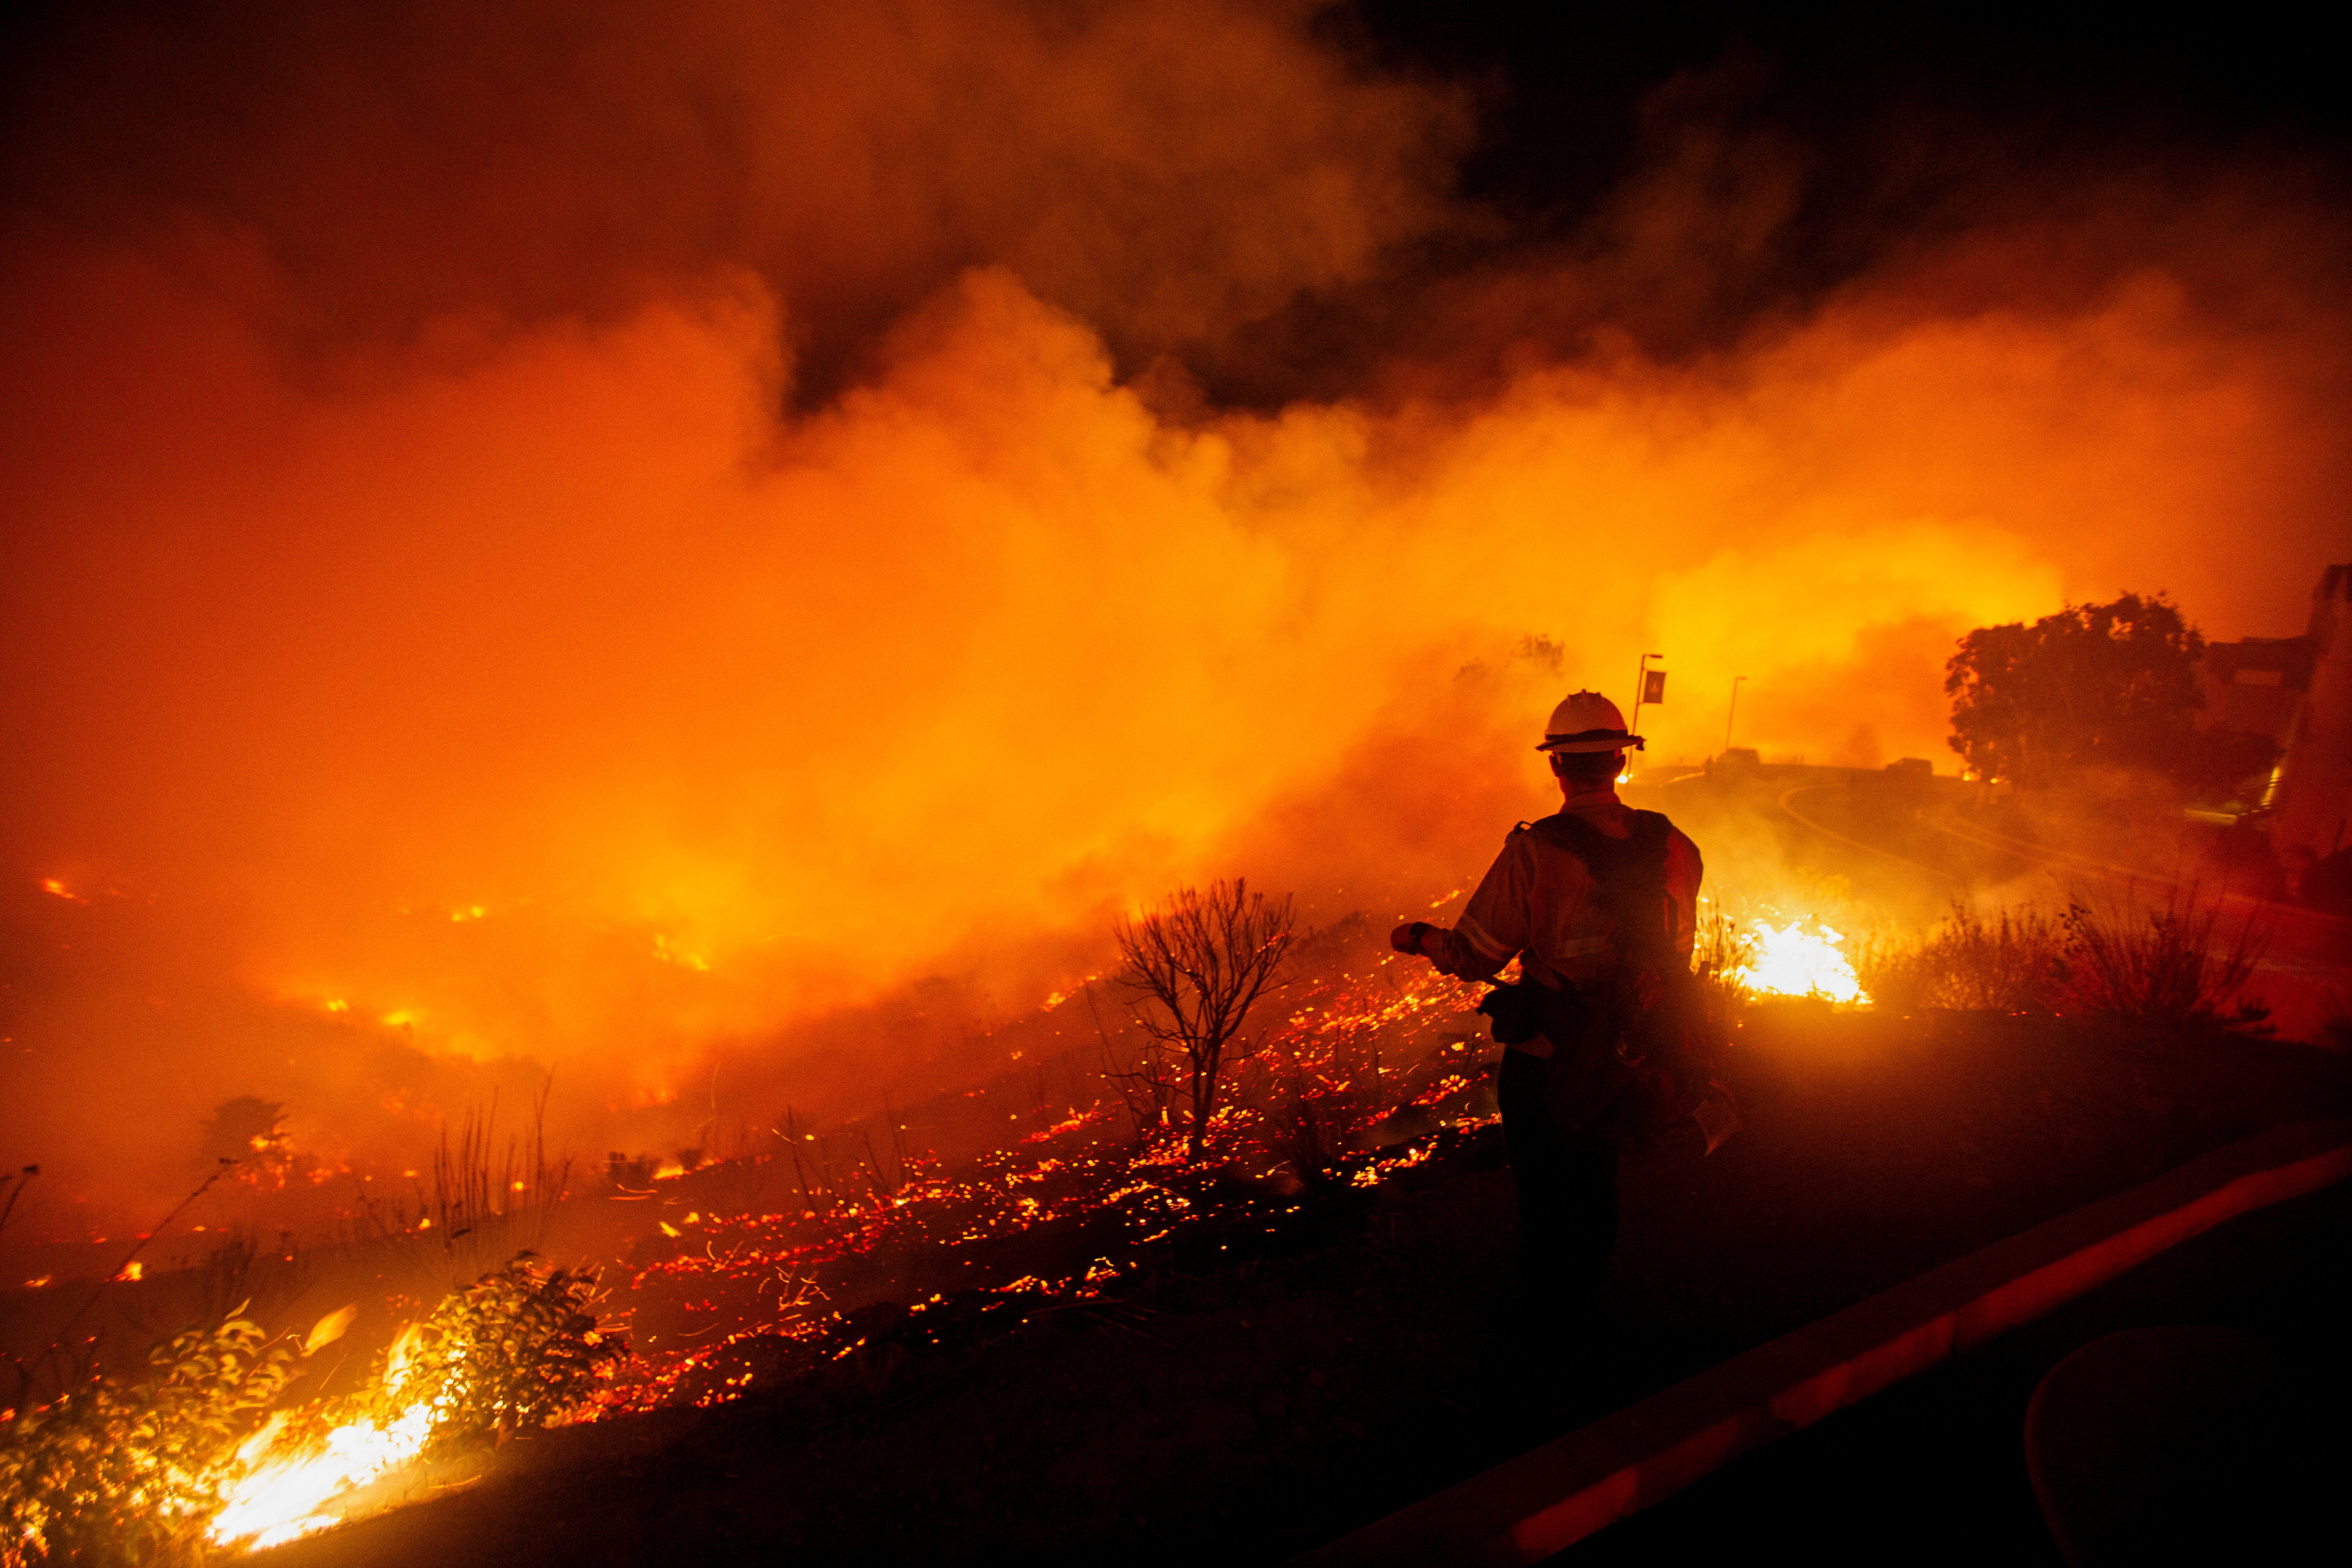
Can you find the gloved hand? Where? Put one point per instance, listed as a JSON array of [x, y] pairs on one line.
[[1407, 937]]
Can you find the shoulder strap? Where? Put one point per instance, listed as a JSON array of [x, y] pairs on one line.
[[1600, 853], [1651, 832]]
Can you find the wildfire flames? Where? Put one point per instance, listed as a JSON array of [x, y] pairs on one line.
[[1792, 961], [726, 628], [286, 1482], [1352, 1048], [752, 1275], [448, 649], [280, 1495]]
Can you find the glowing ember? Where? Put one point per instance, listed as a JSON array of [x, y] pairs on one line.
[[1793, 962]]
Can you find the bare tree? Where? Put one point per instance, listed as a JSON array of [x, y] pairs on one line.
[[1205, 958], [1147, 1088]]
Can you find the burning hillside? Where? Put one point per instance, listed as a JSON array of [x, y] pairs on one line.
[[811, 1265], [686, 572], [759, 1270], [453, 657]]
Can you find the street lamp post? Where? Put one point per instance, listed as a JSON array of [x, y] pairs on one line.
[[1643, 690], [1733, 712]]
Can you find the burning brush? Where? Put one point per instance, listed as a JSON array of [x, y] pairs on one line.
[[514, 1351], [1800, 955], [204, 1452]]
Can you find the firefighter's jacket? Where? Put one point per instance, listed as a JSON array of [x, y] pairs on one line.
[[1537, 902]]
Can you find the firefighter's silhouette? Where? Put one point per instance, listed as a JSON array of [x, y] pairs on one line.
[[1598, 903]]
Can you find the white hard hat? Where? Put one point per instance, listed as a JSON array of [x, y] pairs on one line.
[[1587, 722]]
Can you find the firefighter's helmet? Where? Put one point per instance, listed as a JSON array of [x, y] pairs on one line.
[[1588, 722]]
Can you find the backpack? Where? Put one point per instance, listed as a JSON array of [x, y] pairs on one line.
[[1633, 1053]]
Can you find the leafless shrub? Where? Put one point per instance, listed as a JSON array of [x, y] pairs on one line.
[[1197, 965], [1306, 1126], [1324, 1083], [810, 1173]]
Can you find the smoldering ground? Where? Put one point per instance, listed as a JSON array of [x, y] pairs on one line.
[[623, 544]]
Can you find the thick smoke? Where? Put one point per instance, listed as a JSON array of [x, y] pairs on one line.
[[1167, 170], [602, 542]]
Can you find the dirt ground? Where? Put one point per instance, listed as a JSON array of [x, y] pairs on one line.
[[1295, 1371]]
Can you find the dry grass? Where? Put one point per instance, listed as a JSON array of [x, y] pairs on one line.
[[1724, 948], [2172, 965], [2012, 962], [488, 1201], [1320, 1095]]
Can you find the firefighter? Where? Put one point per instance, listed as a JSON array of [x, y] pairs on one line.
[[1598, 904]]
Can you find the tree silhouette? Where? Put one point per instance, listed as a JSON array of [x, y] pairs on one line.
[[1204, 958], [2111, 685]]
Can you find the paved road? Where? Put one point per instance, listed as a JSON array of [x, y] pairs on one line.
[[1934, 1471]]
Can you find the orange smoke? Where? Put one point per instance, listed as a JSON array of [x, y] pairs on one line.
[[540, 690]]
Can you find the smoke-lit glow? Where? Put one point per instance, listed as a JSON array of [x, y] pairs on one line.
[[719, 615]]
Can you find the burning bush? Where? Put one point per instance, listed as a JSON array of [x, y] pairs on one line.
[[507, 1355], [1724, 948], [1760, 958], [147, 1473], [107, 1473], [510, 1354]]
